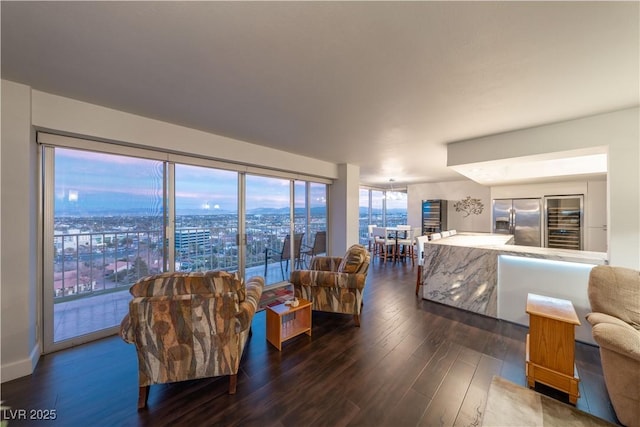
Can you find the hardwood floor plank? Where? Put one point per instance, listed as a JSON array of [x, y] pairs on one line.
[[472, 407], [411, 362], [387, 394], [409, 409], [434, 373], [448, 399]]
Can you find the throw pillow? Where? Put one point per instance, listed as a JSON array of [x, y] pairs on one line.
[[353, 259]]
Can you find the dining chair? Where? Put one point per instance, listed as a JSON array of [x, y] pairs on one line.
[[435, 236], [385, 246], [318, 247], [446, 234], [405, 243], [372, 240], [453, 232], [284, 255], [420, 242]]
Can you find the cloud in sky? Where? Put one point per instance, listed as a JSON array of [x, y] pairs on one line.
[[99, 182]]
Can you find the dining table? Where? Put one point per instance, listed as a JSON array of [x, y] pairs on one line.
[[395, 230]]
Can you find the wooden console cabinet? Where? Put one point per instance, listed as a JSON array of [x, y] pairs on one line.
[[550, 348]]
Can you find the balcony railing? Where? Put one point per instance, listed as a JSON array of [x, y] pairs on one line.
[[95, 263]]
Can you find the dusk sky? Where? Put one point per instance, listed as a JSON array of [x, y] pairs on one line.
[[88, 182]]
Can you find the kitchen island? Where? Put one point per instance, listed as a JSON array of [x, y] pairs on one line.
[[486, 274]]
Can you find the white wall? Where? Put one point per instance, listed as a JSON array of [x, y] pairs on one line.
[[19, 213], [451, 191], [344, 210], [519, 276], [539, 190], [619, 131], [88, 120]]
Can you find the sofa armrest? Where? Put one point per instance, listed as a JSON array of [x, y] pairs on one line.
[[325, 263], [126, 331], [248, 307], [327, 279], [621, 339], [595, 318]]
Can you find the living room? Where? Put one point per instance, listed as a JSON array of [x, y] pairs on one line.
[[602, 112]]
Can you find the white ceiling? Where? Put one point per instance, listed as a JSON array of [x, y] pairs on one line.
[[383, 85]]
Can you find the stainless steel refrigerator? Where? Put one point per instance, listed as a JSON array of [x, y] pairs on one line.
[[520, 217]]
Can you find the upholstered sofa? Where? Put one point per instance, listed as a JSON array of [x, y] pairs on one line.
[[335, 284], [614, 295], [188, 326]]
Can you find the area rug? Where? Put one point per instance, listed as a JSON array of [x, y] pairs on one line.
[[509, 404], [275, 296]]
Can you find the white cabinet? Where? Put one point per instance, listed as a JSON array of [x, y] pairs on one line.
[[597, 239], [596, 216]]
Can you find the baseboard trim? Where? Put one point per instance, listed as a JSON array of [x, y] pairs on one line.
[[21, 368]]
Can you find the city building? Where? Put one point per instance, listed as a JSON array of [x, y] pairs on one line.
[[190, 240]]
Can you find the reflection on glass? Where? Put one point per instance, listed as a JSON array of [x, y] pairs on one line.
[[108, 232], [314, 210], [396, 208], [381, 208], [377, 208], [267, 225], [206, 219]]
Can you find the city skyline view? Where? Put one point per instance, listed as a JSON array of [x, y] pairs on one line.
[[109, 214]]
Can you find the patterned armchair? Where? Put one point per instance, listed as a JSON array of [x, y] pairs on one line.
[[334, 284], [187, 326]]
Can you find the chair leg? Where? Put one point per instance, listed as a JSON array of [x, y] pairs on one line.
[[143, 396], [356, 319], [233, 382], [419, 278], [266, 261]]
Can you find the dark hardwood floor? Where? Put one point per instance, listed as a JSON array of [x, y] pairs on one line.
[[411, 363]]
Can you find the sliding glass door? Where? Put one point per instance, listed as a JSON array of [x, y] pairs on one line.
[[268, 228], [110, 218], [104, 218], [311, 218], [206, 219]]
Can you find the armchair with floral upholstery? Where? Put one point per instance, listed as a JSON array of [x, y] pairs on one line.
[[188, 326], [335, 284]]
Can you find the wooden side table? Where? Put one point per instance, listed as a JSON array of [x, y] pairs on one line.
[[285, 322], [550, 348]]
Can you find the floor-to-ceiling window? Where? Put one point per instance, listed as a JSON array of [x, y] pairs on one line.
[[114, 214], [311, 218], [377, 208], [364, 216], [105, 221], [268, 225], [206, 219], [382, 208], [395, 208]]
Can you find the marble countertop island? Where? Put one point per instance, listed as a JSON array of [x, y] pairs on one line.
[[498, 242], [461, 270]]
